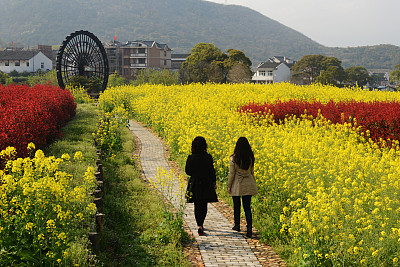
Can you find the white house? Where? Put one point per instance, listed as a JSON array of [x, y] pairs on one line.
[[30, 61], [274, 70]]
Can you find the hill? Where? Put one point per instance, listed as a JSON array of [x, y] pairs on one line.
[[179, 23]]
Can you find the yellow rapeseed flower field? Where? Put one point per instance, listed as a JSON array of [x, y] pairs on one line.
[[323, 189], [39, 204]]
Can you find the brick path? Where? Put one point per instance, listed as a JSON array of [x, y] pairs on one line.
[[221, 246]]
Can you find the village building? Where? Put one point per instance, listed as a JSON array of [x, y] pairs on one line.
[[177, 60], [274, 70], [24, 61], [130, 57]]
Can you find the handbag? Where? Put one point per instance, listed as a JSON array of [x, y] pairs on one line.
[[189, 190]]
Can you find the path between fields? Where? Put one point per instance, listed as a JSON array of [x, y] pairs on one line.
[[222, 246]]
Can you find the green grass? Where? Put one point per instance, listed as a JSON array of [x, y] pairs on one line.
[[139, 230], [77, 136]]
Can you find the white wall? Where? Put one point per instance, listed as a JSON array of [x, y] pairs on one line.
[[35, 64], [282, 74], [263, 79]]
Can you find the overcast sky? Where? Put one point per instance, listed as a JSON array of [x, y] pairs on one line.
[[334, 23]]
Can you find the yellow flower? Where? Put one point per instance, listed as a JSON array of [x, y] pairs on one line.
[[65, 156], [78, 155], [50, 225], [31, 146], [332, 182], [29, 226]]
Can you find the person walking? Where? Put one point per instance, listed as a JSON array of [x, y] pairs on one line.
[[241, 182], [200, 168]]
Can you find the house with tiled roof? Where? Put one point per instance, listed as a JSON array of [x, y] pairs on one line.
[[274, 70], [177, 60], [22, 60], [138, 55]]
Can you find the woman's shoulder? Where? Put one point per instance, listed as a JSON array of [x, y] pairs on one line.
[[208, 155]]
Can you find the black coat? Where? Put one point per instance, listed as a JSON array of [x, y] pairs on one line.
[[201, 169]]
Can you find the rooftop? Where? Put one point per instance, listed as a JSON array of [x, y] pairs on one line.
[[17, 55]]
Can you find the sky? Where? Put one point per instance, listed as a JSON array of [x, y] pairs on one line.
[[334, 23]]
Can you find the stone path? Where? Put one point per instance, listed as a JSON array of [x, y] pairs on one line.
[[221, 246]]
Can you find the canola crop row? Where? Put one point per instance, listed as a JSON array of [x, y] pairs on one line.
[[328, 193], [43, 210]]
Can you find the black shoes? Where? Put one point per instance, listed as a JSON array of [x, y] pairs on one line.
[[236, 228], [249, 233], [200, 231]]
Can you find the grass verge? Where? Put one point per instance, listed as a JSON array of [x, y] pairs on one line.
[[139, 230]]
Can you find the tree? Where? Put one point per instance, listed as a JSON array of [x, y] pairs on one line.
[[115, 80], [310, 67], [78, 81], [208, 63], [395, 75], [48, 77], [239, 73], [236, 56], [357, 76], [13, 73], [94, 84], [333, 75], [201, 63], [238, 60], [5, 79], [91, 85], [155, 76]]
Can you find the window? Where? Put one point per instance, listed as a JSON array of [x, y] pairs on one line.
[[126, 72], [126, 61], [127, 51], [27, 64], [7, 63], [270, 73], [42, 65], [17, 63], [165, 54], [165, 62], [142, 50], [261, 72], [142, 61]]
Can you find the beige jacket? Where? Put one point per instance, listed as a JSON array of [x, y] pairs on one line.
[[241, 182]]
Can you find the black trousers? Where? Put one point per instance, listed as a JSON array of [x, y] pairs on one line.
[[247, 210], [200, 211]]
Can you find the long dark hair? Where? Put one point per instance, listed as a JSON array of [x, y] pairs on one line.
[[243, 155], [199, 145]]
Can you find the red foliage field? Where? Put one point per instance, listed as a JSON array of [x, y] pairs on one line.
[[381, 119], [33, 114]]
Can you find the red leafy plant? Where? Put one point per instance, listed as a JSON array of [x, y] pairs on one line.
[[379, 120], [33, 114]]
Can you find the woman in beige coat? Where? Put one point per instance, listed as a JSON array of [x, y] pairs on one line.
[[241, 182]]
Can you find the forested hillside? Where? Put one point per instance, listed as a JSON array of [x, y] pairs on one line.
[[179, 23]]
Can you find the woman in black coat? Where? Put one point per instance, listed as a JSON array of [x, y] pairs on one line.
[[199, 165]]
